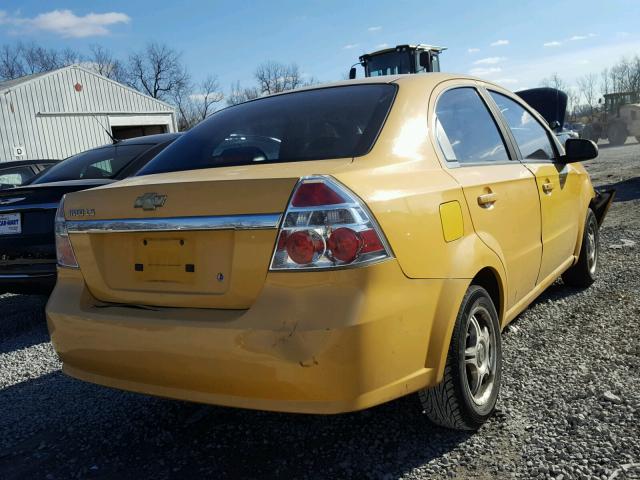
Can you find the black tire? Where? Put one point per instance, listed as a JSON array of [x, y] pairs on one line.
[[584, 273], [617, 134], [451, 404]]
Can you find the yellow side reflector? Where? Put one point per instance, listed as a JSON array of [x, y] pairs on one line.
[[451, 218]]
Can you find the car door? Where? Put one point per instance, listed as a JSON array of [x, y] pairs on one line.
[[558, 184], [501, 192]]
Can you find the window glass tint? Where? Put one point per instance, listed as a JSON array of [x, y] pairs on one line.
[[12, 177], [465, 130], [103, 162], [531, 137], [308, 125], [391, 63]]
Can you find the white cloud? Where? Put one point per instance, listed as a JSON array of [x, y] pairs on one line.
[[489, 61], [507, 81], [569, 65], [481, 71], [578, 37], [499, 43], [473, 50], [66, 23], [350, 46], [375, 29], [382, 45], [555, 43]]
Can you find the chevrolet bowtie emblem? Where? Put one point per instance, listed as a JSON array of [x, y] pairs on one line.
[[150, 201]]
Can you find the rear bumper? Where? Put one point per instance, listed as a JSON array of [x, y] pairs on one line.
[[36, 279], [313, 342]]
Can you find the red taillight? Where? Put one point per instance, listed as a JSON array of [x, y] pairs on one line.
[[64, 249], [315, 194], [304, 247], [326, 226], [370, 242], [345, 244]]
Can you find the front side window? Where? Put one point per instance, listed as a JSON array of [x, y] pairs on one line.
[[103, 162], [320, 124], [465, 130], [530, 135]]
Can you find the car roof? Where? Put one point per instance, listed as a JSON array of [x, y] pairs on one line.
[[149, 139], [20, 163], [430, 78]]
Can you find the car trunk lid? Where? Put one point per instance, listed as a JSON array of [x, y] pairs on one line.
[[200, 239]]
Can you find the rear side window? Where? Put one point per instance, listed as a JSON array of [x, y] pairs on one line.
[[307, 125], [465, 130], [531, 137], [12, 177], [104, 162]]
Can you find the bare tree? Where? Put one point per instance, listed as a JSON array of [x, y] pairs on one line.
[[573, 101], [275, 77], [28, 58], [197, 103], [11, 65], [238, 94], [104, 63], [158, 71], [554, 81], [587, 85]]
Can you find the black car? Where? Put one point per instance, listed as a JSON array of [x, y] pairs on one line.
[[14, 174], [27, 242]]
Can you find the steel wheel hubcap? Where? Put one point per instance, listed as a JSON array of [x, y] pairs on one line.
[[480, 356], [592, 250]]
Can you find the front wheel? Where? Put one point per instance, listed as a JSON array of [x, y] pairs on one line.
[[583, 273], [467, 395]]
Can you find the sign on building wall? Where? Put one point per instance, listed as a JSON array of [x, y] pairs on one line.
[[19, 151]]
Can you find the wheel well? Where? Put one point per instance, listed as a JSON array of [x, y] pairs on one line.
[[488, 279]]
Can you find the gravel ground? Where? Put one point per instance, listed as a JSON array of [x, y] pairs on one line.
[[569, 408]]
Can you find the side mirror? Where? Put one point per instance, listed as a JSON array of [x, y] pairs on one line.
[[352, 73], [579, 149], [425, 61]]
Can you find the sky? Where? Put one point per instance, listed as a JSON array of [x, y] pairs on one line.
[[515, 43]]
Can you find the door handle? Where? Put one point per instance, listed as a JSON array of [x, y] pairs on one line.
[[487, 199], [547, 187]]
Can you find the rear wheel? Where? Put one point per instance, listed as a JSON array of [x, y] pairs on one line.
[[617, 134], [467, 395], [583, 273]]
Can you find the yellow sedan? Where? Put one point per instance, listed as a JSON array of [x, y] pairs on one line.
[[326, 250]]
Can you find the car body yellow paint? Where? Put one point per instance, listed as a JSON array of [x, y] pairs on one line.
[[314, 341], [452, 222]]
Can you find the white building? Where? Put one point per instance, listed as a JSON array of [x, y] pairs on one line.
[[66, 111]]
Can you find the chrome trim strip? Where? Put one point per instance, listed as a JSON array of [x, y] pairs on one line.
[[172, 224], [32, 206]]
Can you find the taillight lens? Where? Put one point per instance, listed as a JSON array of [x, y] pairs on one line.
[[327, 226], [64, 250]]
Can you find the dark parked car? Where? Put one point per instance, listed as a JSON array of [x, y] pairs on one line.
[[27, 244], [14, 174]]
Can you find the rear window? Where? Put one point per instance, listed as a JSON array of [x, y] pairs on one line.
[[317, 124], [104, 162]]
